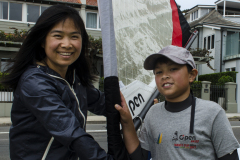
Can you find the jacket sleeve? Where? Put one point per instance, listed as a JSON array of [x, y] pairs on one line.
[[96, 101], [40, 95]]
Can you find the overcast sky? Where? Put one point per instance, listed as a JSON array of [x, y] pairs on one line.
[[188, 4]]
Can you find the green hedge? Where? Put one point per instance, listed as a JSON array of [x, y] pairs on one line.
[[214, 77], [225, 79]]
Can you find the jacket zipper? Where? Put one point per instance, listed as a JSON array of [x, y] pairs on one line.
[[51, 140], [47, 149], [74, 95]]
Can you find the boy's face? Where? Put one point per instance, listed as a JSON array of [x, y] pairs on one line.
[[173, 80]]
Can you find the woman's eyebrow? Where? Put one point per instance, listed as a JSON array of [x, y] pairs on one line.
[[57, 31], [75, 33]]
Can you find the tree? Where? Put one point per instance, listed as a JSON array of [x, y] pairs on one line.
[[185, 11], [198, 52]]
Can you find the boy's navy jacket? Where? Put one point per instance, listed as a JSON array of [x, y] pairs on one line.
[[49, 114]]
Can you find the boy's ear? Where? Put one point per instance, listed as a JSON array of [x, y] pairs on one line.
[[193, 75]]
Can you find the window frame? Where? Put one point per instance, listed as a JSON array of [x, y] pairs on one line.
[[24, 13], [205, 42], [233, 69], [209, 45], [38, 13], [194, 15], [98, 21], [7, 10], [208, 42], [212, 41], [8, 14]]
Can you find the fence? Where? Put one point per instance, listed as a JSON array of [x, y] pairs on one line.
[[6, 95], [218, 94]]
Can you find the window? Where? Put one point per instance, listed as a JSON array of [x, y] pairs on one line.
[[32, 13], [205, 43], [232, 46], [93, 20], [6, 63], [212, 44], [209, 40], [3, 10], [43, 9], [194, 15], [227, 69], [15, 11], [233, 69]]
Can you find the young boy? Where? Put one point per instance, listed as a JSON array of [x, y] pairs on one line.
[[183, 127]]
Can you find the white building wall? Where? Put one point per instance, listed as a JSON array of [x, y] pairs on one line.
[[188, 18], [230, 64], [205, 11]]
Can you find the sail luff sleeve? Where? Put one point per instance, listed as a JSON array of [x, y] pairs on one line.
[[116, 146], [108, 38]]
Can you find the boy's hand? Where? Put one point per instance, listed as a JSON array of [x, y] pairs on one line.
[[155, 101], [129, 134], [124, 111]]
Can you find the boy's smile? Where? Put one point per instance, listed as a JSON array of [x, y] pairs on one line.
[[173, 81]]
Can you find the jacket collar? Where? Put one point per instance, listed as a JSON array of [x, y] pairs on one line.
[[48, 70]]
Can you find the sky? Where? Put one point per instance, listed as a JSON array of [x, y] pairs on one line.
[[188, 4]]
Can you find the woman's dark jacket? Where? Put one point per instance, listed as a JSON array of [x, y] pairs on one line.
[[49, 118]]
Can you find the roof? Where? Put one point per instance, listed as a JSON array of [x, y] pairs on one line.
[[201, 6], [230, 4], [214, 18], [70, 1], [92, 2]]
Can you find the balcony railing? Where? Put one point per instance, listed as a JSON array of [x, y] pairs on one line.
[[6, 95]]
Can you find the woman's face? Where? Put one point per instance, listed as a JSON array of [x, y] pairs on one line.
[[62, 46]]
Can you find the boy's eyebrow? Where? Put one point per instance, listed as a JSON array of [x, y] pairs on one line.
[[57, 31], [171, 63]]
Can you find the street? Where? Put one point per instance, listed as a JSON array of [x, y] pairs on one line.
[[98, 131]]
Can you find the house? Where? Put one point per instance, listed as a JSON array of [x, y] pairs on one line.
[[22, 15], [218, 26]]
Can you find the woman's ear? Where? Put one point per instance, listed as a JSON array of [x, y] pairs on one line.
[[193, 75]]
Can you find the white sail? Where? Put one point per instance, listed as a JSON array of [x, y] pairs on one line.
[[132, 30], [142, 27]]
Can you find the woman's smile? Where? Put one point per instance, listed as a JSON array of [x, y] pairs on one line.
[[62, 46]]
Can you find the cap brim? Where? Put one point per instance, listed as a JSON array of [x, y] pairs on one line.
[[150, 61]]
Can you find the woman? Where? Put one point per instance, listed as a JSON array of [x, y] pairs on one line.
[[53, 91]]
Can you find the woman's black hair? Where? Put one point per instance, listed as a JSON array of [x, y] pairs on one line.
[[31, 50]]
